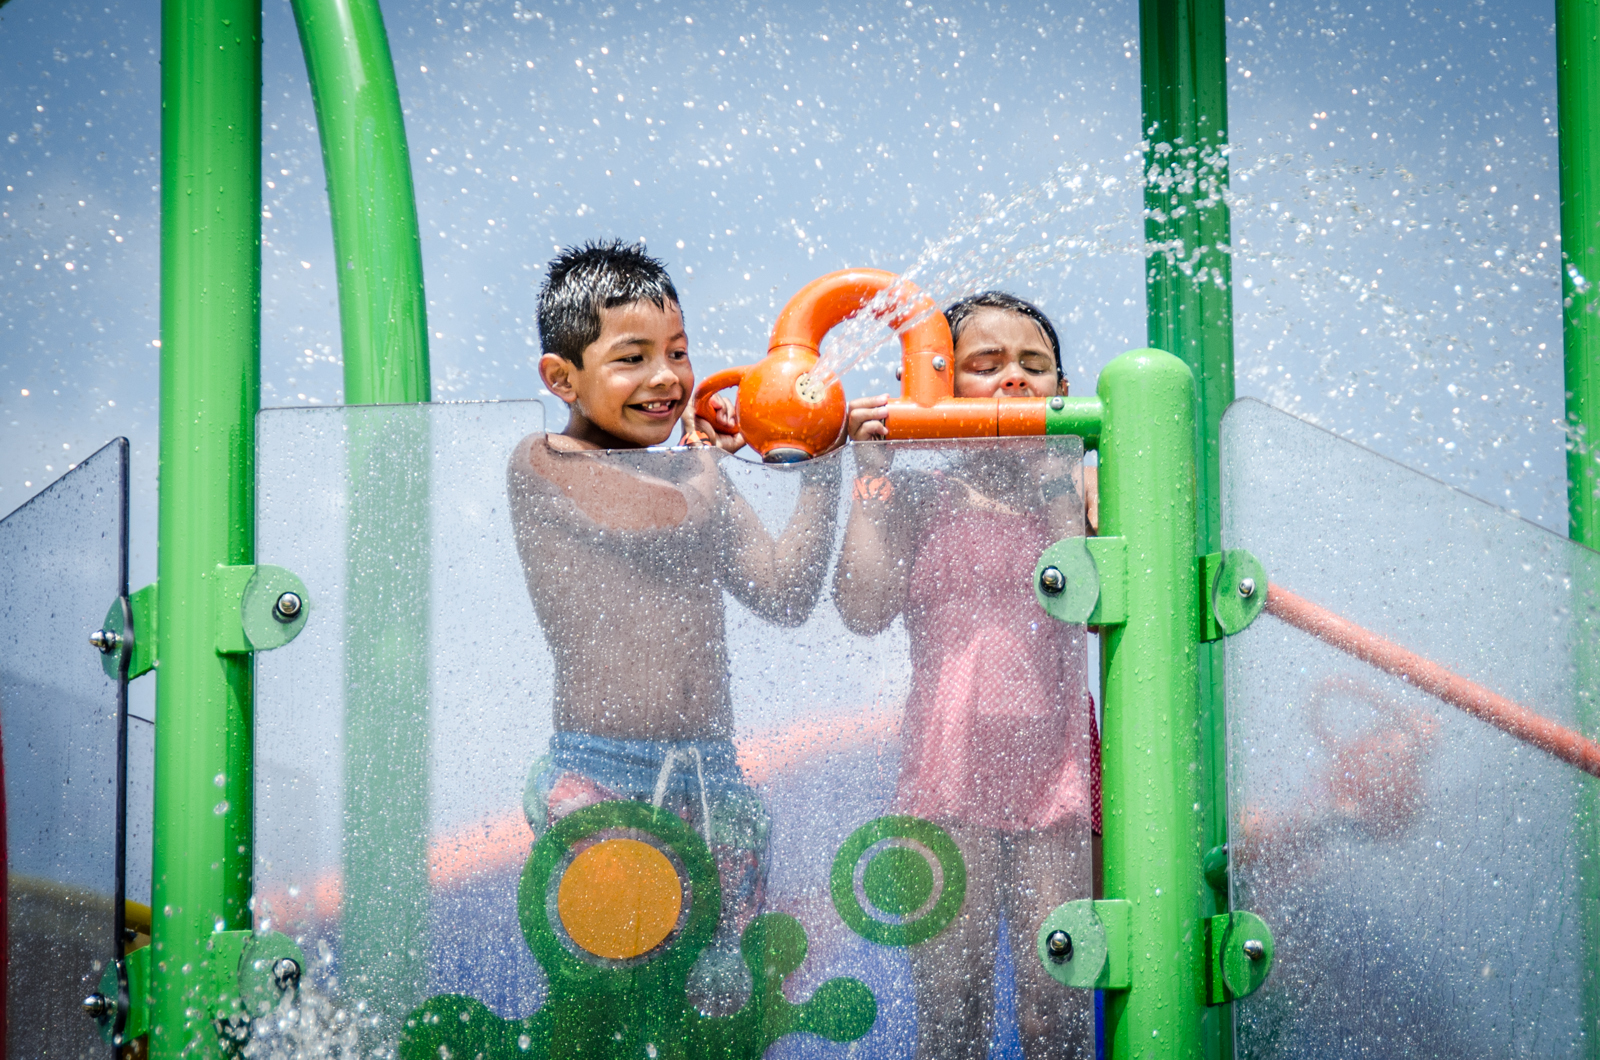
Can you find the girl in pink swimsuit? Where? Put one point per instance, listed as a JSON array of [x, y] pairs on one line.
[[998, 736]]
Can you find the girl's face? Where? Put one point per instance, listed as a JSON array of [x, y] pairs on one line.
[[1005, 353]]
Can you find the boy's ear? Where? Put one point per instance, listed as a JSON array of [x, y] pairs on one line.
[[556, 371], [1062, 386]]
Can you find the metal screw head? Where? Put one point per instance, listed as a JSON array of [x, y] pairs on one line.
[[1255, 949], [105, 641], [98, 1006], [939, 364], [1058, 403], [286, 973], [287, 607], [899, 371], [1059, 945], [1052, 581], [1247, 587]]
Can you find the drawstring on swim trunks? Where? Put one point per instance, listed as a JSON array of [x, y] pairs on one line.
[[665, 776]]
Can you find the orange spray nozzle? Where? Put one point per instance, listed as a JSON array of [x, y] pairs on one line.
[[788, 411]]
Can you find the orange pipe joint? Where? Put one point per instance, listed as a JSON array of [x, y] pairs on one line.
[[789, 411]]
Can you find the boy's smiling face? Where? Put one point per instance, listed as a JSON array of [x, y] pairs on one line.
[[635, 381]]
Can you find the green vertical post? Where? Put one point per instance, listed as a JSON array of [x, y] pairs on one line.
[[378, 251], [210, 391], [383, 321], [1189, 296], [1578, 106], [1150, 734], [1578, 99]]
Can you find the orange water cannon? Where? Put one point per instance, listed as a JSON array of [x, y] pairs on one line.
[[790, 411]]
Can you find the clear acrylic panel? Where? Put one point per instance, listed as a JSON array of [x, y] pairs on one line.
[[1423, 872], [540, 720], [63, 563]]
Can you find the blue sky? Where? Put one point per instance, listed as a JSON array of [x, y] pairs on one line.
[[1395, 201]]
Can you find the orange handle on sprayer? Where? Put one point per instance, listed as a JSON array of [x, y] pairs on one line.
[[713, 385]]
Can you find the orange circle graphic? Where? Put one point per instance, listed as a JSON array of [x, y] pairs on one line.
[[620, 898]]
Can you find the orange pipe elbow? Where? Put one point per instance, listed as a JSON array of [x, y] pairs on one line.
[[788, 411]]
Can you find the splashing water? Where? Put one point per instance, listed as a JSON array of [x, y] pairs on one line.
[[308, 1024]]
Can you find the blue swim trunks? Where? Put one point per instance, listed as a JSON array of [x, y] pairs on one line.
[[699, 780]]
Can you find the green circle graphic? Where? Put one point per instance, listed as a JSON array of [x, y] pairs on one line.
[[898, 881], [898, 887], [704, 897]]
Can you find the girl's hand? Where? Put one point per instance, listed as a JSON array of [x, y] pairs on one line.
[[865, 422], [699, 431]]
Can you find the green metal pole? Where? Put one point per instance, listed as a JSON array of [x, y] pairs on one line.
[[1150, 736], [210, 391], [382, 310], [1578, 106], [1578, 96], [1189, 296], [383, 321]]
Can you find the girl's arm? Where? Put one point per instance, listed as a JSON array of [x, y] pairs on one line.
[[870, 580], [1069, 506]]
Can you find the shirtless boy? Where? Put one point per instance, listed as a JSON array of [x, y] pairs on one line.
[[626, 559]]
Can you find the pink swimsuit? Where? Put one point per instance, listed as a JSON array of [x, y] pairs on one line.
[[999, 723]]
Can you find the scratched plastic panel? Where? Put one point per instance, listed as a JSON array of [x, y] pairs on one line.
[[62, 565], [566, 731], [1422, 870]]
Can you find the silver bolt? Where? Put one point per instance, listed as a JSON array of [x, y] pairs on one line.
[[98, 1006], [1059, 945], [1247, 587], [1255, 949], [105, 641], [287, 607], [1058, 403], [899, 370], [286, 973], [939, 364], [1052, 581]]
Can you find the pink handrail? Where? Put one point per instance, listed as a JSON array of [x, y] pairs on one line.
[[1571, 747]]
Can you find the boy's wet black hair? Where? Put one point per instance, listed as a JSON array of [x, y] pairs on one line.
[[583, 280], [959, 312]]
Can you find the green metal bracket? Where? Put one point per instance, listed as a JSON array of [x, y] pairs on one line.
[[1084, 944], [142, 605], [128, 634], [1084, 580], [1233, 590], [1111, 562], [259, 607], [1238, 956], [248, 976], [136, 1024]]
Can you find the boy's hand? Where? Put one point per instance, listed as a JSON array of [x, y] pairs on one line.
[[698, 431]]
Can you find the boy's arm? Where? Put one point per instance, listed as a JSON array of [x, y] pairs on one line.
[[874, 569], [781, 579]]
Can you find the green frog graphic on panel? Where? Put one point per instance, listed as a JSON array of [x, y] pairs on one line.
[[618, 900]]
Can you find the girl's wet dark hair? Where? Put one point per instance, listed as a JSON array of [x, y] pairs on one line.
[[585, 279], [959, 312]]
